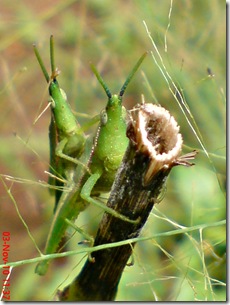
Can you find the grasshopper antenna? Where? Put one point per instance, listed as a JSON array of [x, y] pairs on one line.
[[54, 71], [101, 81], [52, 63], [134, 70], [41, 63]]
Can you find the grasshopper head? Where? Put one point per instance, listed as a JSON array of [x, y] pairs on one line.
[[111, 141]]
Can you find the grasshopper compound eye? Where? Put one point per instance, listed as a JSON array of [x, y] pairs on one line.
[[103, 117]]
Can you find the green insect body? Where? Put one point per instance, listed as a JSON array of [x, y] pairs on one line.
[[71, 139], [69, 207], [111, 139], [71, 136], [67, 139], [103, 159]]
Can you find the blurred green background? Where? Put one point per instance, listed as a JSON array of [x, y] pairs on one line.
[[111, 34]]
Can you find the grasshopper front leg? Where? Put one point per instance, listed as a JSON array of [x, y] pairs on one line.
[[86, 196]]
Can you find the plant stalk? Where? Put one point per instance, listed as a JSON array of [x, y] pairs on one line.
[[134, 193]]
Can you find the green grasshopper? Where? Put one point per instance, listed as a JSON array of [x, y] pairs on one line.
[[102, 158], [67, 139]]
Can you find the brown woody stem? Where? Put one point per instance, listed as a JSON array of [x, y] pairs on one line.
[[154, 148]]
